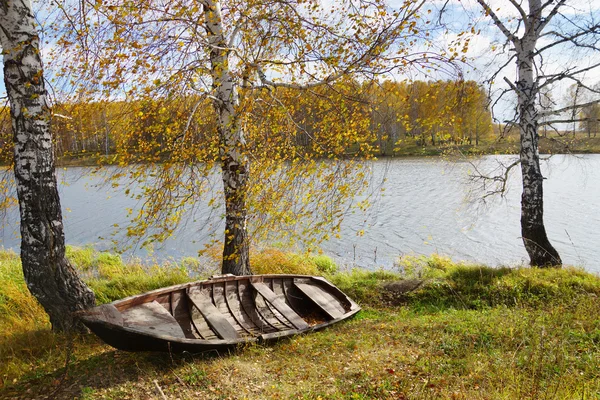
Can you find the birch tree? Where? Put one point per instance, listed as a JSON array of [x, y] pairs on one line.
[[49, 276], [237, 54], [535, 32]]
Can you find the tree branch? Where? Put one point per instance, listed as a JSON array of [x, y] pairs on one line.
[[593, 30], [566, 75], [575, 106], [497, 22], [522, 12], [552, 14], [564, 121], [498, 182]]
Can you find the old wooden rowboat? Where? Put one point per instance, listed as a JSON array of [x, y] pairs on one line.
[[219, 313]]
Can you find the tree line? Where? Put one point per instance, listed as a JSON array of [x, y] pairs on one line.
[[391, 114]]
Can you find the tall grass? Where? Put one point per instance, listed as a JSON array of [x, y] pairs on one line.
[[465, 332], [25, 337]]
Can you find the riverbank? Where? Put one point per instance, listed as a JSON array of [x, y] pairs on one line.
[[467, 332], [551, 144]]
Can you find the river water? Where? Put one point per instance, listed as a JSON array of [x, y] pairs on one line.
[[430, 205]]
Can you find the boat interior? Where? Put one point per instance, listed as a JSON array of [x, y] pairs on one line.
[[232, 308]]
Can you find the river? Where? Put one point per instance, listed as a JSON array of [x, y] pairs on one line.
[[429, 206]]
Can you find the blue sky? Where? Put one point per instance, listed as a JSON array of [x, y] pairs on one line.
[[486, 51]]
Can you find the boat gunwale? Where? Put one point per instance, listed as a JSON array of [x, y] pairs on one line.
[[125, 303], [157, 292], [219, 342]]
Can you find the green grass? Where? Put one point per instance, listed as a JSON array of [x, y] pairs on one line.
[[553, 144], [468, 332]]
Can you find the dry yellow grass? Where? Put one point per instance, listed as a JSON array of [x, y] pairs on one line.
[[468, 333]]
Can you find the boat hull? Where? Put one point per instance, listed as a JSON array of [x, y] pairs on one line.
[[220, 313]]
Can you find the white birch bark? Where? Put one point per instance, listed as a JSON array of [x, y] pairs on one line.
[[49, 276], [232, 147], [533, 231]]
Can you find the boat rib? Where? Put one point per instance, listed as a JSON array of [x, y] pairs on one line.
[[220, 313]]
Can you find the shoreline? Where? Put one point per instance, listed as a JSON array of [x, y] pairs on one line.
[[406, 149]]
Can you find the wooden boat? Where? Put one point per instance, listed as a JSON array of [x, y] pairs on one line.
[[220, 313]]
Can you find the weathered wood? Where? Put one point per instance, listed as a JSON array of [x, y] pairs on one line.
[[278, 335], [295, 298], [260, 304], [324, 300], [152, 318], [277, 287], [181, 313], [249, 307], [234, 304], [280, 305], [198, 316], [108, 313], [266, 308], [215, 319], [220, 302], [165, 301], [271, 284], [200, 323]]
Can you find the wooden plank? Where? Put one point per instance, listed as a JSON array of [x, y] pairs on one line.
[[278, 335], [152, 318], [277, 287], [234, 303], [200, 323], [272, 284], [219, 300], [250, 309], [215, 319], [108, 313], [295, 298], [266, 312], [180, 310], [165, 301], [324, 300], [270, 312], [280, 305]]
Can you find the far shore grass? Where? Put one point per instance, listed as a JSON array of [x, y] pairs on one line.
[[411, 147], [466, 332]]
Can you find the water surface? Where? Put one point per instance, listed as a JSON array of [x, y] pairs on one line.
[[429, 206]]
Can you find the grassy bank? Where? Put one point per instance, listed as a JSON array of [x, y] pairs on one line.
[[466, 332], [411, 147], [552, 144]]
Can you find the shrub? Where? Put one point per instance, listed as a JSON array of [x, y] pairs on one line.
[[275, 261], [324, 264]]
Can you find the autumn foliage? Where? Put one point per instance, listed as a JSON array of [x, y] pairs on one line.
[[329, 122]]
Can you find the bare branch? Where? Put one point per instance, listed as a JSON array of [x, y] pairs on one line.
[[563, 121], [522, 12], [512, 86], [552, 14], [496, 184], [572, 107], [568, 75], [593, 30], [510, 36]]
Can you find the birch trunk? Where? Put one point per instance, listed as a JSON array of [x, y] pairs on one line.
[[49, 276], [533, 232], [232, 149]]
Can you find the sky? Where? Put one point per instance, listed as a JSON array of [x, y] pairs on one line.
[[486, 51]]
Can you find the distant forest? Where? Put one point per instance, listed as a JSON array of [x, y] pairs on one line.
[[390, 114]]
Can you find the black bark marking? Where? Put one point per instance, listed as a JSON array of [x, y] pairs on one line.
[[49, 276]]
